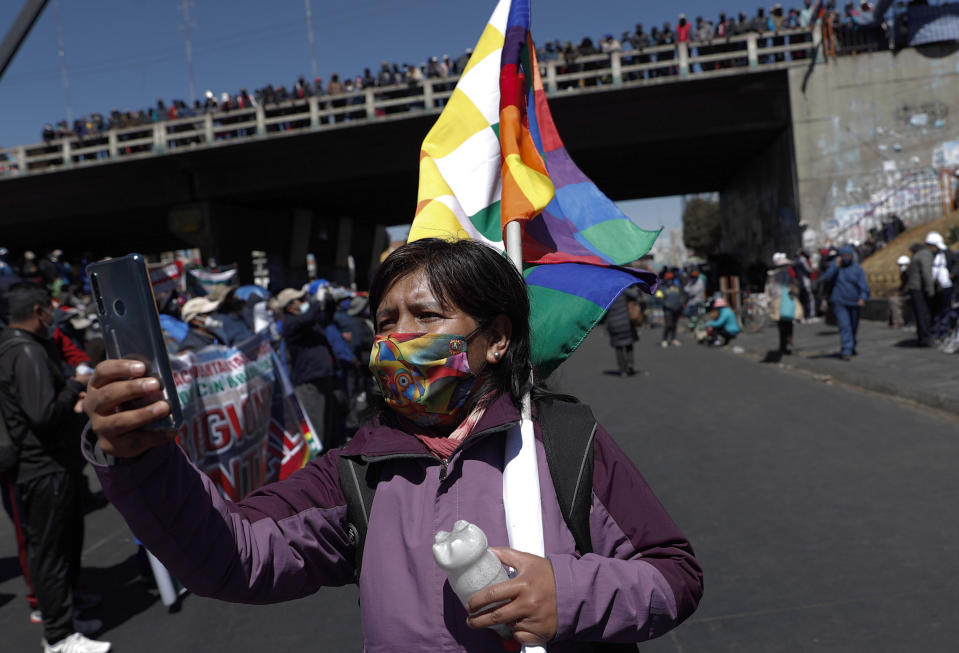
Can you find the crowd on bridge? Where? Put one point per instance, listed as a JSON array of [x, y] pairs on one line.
[[845, 31]]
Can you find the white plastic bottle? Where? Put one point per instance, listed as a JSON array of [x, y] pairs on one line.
[[469, 564]]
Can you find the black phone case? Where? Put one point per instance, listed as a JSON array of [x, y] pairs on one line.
[[131, 325]]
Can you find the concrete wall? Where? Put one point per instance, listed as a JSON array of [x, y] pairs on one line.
[[872, 133]]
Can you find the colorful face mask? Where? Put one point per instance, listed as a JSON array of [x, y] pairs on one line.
[[424, 377]]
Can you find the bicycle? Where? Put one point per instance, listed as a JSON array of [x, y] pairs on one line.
[[753, 314]]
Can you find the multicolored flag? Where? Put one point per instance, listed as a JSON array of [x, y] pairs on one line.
[[494, 156]]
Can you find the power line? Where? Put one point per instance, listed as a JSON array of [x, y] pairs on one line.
[[62, 55], [311, 37], [187, 24]]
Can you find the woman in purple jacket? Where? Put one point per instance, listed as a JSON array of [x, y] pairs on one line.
[[451, 358]]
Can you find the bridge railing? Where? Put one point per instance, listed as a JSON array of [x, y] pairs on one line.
[[656, 64]]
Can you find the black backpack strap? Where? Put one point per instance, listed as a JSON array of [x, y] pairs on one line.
[[568, 430], [358, 479]]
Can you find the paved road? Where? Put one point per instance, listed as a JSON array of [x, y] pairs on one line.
[[825, 519]]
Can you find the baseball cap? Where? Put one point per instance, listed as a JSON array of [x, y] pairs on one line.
[[935, 238]]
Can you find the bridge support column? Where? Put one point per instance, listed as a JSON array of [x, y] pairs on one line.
[[112, 144], [300, 238], [683, 59], [314, 112], [260, 121], [616, 62], [370, 104], [67, 158], [760, 209], [344, 242], [208, 128], [551, 85], [159, 137], [22, 160], [428, 94], [752, 50]]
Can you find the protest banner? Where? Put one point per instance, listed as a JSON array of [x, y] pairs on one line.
[[242, 425], [202, 282]]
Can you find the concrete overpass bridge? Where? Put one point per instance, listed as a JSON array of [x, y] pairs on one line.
[[325, 175]]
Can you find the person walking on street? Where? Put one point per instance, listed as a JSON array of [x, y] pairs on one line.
[[897, 319], [622, 332], [850, 290], [782, 289], [672, 296], [919, 285], [943, 267], [41, 409], [695, 290]]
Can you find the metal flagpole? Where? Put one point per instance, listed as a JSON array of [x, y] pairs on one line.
[[521, 491]]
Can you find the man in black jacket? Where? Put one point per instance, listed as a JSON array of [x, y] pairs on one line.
[[40, 408]]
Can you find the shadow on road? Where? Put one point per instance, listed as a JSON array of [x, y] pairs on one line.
[[127, 590], [832, 356], [773, 356], [911, 343], [6, 598]]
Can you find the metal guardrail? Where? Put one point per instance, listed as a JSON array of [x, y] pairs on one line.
[[654, 65]]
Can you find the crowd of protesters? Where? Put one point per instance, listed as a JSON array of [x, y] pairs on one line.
[[51, 340], [842, 30]]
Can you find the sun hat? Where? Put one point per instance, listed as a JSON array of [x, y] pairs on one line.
[[197, 306], [287, 295]]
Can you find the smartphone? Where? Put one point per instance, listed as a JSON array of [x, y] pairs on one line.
[[131, 327]]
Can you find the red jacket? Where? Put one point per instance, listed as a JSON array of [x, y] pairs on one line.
[[72, 354]]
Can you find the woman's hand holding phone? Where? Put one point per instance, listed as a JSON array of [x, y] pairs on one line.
[[120, 432]]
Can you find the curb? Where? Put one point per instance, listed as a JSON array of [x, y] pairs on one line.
[[868, 382]]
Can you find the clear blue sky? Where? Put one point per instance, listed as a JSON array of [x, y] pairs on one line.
[[128, 53]]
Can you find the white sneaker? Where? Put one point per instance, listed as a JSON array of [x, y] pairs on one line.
[[76, 643], [664, 344], [676, 343]]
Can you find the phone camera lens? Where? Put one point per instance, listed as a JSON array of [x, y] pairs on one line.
[[119, 307], [95, 283]]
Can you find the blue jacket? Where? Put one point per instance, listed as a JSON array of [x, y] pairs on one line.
[[848, 281], [726, 320]]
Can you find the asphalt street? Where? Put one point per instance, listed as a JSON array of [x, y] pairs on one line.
[[824, 517]]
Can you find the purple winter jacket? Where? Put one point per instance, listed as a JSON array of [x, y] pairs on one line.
[[288, 539]]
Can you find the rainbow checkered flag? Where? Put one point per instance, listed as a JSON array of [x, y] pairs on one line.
[[494, 156]]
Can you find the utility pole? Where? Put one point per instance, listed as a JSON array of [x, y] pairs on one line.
[[187, 24], [311, 37], [62, 54]]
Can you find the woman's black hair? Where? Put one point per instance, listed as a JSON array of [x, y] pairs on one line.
[[477, 280]]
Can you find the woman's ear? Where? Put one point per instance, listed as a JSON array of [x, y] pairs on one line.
[[498, 335]]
